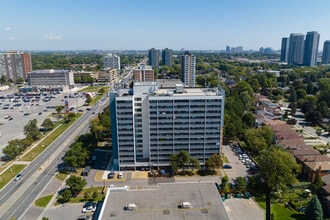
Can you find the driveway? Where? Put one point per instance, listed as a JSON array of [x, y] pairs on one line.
[[238, 169]]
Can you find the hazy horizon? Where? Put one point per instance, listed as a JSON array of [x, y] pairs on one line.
[[140, 25]]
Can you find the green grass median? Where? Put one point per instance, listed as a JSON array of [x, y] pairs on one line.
[[10, 173]]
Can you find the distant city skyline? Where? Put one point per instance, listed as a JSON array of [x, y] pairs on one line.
[[141, 25]]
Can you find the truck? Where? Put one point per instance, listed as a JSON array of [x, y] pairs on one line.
[[185, 205], [86, 170]]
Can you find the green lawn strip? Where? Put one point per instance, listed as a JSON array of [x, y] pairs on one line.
[[225, 159], [32, 154], [43, 202], [10, 173], [61, 176], [81, 196], [94, 89], [280, 212]]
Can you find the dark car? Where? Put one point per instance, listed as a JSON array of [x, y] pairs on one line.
[[227, 166], [111, 175]]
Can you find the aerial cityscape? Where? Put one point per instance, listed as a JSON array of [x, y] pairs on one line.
[[164, 110]]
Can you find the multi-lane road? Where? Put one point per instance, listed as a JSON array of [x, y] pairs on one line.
[[16, 197]]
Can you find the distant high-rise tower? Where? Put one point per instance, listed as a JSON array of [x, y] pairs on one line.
[[285, 49], [153, 55], [167, 57], [326, 52], [296, 49], [227, 49], [14, 65], [311, 48], [188, 69], [111, 61]]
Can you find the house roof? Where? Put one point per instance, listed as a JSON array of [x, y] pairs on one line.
[[326, 180], [315, 166]]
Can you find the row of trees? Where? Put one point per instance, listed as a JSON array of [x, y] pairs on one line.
[[183, 160], [32, 133]]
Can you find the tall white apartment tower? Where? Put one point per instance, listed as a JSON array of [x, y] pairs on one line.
[[153, 123], [188, 69], [111, 61]]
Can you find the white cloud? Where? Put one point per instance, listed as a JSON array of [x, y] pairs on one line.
[[52, 37], [7, 28], [11, 38]]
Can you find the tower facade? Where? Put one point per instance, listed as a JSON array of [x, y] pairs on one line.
[[326, 52], [188, 69], [167, 57], [153, 55], [14, 65], [311, 48], [296, 49], [111, 61], [152, 124], [284, 49]]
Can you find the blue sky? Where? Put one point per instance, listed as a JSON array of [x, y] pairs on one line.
[[176, 24]]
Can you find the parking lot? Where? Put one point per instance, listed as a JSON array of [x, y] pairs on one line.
[[16, 110], [238, 167]]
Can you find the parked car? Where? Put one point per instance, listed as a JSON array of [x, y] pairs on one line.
[[110, 175], [120, 175], [227, 166], [89, 209], [84, 217]]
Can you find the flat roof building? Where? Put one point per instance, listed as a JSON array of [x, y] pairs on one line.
[[150, 124], [50, 78], [165, 202], [144, 73]]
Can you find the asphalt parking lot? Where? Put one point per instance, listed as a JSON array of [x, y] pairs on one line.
[[238, 168], [19, 113]]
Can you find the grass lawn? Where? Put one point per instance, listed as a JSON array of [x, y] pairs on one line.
[[224, 158], [81, 196], [282, 213], [43, 202], [10, 174], [61, 176]]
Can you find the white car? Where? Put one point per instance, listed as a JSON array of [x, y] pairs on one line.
[[89, 209], [18, 177], [120, 175]]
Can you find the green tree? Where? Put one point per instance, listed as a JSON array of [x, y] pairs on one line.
[[240, 184], [76, 155], [95, 195], [31, 129], [76, 184], [216, 160], [314, 209], [97, 128], [180, 160], [317, 184], [48, 124], [59, 108], [276, 169], [249, 120], [254, 141], [89, 100], [66, 195], [224, 184], [101, 91], [194, 163]]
